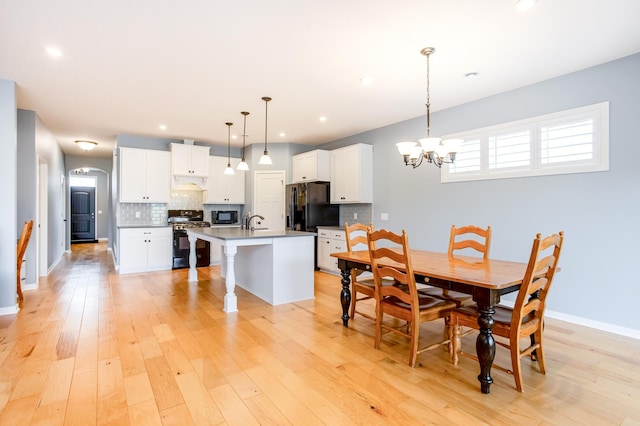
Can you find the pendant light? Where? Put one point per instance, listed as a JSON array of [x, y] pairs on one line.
[[243, 164], [229, 169], [265, 159]]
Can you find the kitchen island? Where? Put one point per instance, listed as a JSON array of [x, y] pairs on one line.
[[276, 266]]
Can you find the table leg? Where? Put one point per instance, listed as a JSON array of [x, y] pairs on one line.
[[485, 346], [230, 299], [345, 295], [193, 259]]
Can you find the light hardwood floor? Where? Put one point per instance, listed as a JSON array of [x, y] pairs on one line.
[[94, 347]]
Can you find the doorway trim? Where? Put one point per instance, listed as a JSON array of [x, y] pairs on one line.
[[43, 218]]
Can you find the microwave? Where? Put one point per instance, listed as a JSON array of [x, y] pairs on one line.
[[224, 216]]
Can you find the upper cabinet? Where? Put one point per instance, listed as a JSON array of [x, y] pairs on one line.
[[312, 166], [189, 165], [221, 188], [190, 160], [352, 174], [145, 176]]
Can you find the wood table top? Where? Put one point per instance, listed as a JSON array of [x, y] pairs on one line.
[[489, 273]]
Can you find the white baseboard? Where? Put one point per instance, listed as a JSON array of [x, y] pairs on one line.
[[10, 310], [598, 325], [54, 265], [103, 240], [30, 286]]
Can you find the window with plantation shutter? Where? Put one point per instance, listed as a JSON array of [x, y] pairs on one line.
[[572, 141]]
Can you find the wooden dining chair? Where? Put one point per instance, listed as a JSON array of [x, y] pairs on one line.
[[468, 239], [361, 289], [25, 235], [525, 319], [402, 300]]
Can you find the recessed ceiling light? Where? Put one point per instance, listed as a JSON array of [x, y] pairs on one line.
[[54, 52], [366, 80], [162, 127], [524, 4], [472, 75], [283, 134], [323, 119], [234, 136]]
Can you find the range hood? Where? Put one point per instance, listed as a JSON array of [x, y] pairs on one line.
[[179, 179], [186, 183]]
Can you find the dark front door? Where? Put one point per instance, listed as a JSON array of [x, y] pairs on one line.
[[83, 214]]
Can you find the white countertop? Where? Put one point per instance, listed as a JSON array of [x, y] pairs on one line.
[[236, 233], [144, 226]]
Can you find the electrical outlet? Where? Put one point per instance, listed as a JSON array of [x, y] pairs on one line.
[[384, 216], [137, 214], [355, 215]]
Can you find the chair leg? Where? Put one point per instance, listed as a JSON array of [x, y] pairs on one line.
[[450, 336], [456, 343], [376, 342], [415, 339], [354, 296], [516, 365], [540, 351], [19, 288]]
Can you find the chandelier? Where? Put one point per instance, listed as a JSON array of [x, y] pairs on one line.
[[435, 150]]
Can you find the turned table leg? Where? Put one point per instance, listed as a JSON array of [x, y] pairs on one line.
[[345, 294], [485, 346]]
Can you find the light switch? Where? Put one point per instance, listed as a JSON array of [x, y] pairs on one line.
[[355, 215], [137, 214], [384, 216]]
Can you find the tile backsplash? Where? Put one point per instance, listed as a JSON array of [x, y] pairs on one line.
[[363, 211], [156, 214]]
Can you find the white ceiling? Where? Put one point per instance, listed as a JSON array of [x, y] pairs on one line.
[[129, 66]]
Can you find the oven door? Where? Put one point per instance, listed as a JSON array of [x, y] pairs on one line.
[[181, 249]]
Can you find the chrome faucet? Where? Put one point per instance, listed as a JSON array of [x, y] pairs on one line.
[[248, 225]]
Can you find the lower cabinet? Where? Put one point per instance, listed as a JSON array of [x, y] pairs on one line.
[[330, 241], [145, 249]]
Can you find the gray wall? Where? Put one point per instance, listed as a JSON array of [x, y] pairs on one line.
[[27, 196], [8, 235], [48, 151], [598, 211]]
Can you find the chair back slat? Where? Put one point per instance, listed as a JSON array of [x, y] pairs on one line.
[[356, 234], [399, 254], [470, 237], [537, 280]]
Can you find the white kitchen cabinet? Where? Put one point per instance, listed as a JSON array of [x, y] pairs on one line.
[[221, 188], [330, 241], [145, 249], [312, 166], [352, 174], [190, 160], [145, 176]]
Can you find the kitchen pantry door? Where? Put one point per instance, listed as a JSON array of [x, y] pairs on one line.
[[83, 214], [268, 199]]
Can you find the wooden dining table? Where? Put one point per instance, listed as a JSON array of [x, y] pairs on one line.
[[484, 279]]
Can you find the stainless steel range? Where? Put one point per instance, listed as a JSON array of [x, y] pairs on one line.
[[181, 220]]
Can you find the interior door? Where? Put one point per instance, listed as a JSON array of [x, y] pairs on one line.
[[268, 199], [83, 214]]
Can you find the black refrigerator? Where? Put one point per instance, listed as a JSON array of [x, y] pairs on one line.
[[308, 207]]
